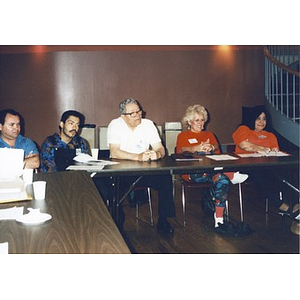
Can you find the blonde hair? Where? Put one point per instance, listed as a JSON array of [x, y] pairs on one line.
[[189, 114]]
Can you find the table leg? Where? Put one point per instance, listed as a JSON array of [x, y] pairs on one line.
[[118, 200], [115, 197]]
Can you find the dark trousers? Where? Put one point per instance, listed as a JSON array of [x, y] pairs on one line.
[[162, 183], [164, 186]]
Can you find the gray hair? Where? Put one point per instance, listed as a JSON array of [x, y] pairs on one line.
[[190, 111], [122, 105]]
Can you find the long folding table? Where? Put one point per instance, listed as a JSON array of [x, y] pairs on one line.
[[168, 165]]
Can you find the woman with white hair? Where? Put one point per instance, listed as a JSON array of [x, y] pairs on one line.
[[197, 140]]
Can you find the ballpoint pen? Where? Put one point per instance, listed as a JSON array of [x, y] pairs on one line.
[[29, 155]]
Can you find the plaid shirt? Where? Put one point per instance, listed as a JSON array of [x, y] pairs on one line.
[[54, 142]]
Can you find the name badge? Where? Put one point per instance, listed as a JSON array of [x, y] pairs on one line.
[[262, 137], [193, 141]]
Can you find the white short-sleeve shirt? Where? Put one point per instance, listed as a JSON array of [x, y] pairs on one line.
[[136, 141]]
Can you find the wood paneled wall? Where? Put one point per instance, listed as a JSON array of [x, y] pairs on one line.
[[42, 84]]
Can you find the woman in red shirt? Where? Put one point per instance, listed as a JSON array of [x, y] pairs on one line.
[[196, 139], [254, 136]]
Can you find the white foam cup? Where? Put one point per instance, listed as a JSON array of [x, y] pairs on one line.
[[39, 190], [95, 152], [27, 175]]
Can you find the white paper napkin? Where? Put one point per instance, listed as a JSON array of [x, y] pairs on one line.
[[11, 213], [4, 248]]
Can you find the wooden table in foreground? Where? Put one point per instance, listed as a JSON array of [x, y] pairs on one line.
[[80, 221]]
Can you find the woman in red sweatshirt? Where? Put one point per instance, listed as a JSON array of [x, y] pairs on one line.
[[254, 135], [197, 139]]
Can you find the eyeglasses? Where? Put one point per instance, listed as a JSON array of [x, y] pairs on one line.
[[134, 113]]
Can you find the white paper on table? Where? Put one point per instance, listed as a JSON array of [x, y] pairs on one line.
[[86, 168], [222, 157], [11, 213], [4, 248], [85, 158], [260, 154], [13, 190], [107, 162]]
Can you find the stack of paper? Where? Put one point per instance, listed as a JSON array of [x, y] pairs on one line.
[[222, 157], [13, 190], [88, 163], [262, 154]]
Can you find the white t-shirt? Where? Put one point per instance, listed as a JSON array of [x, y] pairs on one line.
[[136, 141]]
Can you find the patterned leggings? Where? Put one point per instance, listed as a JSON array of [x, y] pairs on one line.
[[220, 182]]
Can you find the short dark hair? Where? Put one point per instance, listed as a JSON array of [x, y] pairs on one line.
[[4, 112], [74, 113]]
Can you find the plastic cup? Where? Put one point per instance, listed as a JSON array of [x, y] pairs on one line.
[[95, 152], [27, 175], [39, 190]]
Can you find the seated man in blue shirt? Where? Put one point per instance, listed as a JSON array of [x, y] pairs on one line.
[[59, 149], [10, 137]]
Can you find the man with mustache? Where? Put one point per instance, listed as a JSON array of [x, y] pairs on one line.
[[11, 137], [59, 149]]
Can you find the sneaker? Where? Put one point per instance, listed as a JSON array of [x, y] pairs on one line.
[[218, 221], [239, 178]]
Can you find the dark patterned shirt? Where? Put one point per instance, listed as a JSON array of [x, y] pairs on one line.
[[53, 143]]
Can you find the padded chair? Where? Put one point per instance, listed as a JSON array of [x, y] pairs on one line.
[[171, 131], [294, 193], [195, 185], [140, 188], [187, 184], [104, 153], [88, 132], [103, 147]]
